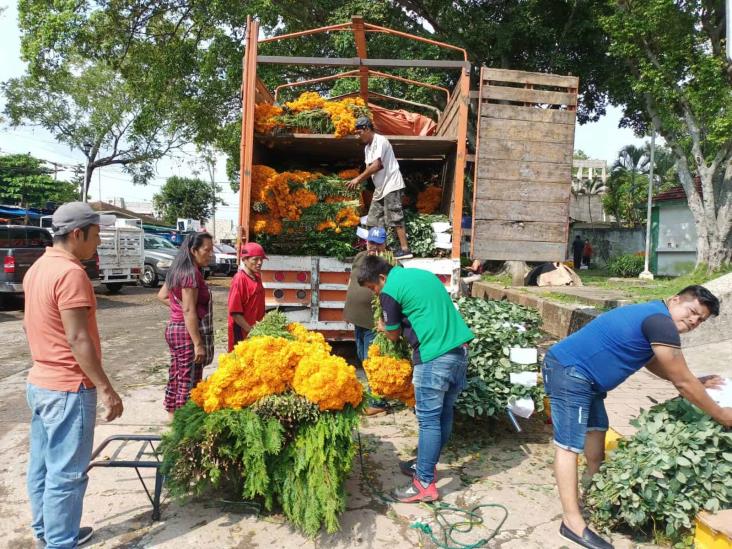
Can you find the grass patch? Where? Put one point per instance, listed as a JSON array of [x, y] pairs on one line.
[[659, 288], [498, 279]]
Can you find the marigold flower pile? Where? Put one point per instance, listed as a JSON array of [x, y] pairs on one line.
[[428, 201], [389, 376], [264, 365], [299, 114], [284, 196]]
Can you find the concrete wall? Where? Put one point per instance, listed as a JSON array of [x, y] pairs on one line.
[[715, 329], [579, 210], [676, 249], [608, 242]]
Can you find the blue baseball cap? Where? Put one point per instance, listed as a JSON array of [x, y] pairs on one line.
[[377, 235]]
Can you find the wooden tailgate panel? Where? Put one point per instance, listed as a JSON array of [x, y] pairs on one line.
[[525, 145]]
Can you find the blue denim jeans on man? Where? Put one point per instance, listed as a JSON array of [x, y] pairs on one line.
[[577, 404], [437, 384], [364, 338], [61, 440]]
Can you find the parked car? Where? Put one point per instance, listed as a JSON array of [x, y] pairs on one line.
[[225, 257], [159, 255], [20, 246]]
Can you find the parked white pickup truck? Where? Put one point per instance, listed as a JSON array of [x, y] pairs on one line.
[[121, 252]]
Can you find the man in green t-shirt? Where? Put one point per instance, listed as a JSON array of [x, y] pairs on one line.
[[416, 304]]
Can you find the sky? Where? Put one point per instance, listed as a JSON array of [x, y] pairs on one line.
[[601, 140]]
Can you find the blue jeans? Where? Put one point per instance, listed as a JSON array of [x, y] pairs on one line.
[[61, 439], [437, 384], [577, 404], [364, 338]]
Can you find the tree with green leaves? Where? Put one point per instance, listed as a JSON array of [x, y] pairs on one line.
[[677, 79], [25, 181], [88, 106], [187, 198], [187, 55]]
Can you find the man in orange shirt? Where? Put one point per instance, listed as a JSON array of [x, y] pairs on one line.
[[61, 326]]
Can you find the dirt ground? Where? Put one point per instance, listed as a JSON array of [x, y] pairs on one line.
[[486, 463]]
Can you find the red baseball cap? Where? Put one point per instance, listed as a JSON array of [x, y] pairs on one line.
[[252, 249]]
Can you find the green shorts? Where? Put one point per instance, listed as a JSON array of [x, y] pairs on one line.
[[387, 212]]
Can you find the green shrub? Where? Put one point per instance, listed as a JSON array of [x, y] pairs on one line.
[[626, 266]]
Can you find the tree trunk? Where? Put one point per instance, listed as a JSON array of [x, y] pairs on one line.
[[712, 244]]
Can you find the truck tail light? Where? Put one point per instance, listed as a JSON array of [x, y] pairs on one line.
[[444, 278], [9, 264], [135, 270]]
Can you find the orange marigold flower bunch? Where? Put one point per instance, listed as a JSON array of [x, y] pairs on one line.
[[265, 117], [308, 101], [428, 201], [347, 217], [389, 377], [266, 365], [258, 367], [265, 224], [328, 381], [348, 174], [304, 335], [325, 225]]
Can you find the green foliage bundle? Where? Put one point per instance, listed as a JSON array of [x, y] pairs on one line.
[[278, 452], [289, 409], [677, 464], [498, 326], [420, 235], [396, 349], [626, 266], [273, 324]]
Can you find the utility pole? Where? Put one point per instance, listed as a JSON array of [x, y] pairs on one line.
[[211, 174], [647, 274], [85, 183]]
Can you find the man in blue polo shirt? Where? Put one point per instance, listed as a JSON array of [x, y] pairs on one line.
[[579, 370], [416, 303]]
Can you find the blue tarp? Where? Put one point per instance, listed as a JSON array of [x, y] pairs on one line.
[[15, 211]]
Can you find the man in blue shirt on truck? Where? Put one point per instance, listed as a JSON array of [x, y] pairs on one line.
[[579, 370]]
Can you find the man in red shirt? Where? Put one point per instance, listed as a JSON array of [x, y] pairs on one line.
[[246, 296]]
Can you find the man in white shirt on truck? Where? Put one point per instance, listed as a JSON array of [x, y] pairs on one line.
[[382, 166]]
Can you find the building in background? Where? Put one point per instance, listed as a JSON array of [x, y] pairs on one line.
[[588, 186], [673, 233], [140, 207]]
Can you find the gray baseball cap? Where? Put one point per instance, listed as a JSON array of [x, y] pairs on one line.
[[364, 122], [73, 215]]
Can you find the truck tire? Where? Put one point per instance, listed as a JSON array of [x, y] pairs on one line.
[[149, 277], [114, 287]]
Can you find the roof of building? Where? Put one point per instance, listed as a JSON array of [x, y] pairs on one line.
[[107, 207], [677, 193]]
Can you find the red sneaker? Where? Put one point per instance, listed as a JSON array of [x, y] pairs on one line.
[[414, 492]]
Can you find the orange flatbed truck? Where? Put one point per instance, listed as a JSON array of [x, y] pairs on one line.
[[505, 224]]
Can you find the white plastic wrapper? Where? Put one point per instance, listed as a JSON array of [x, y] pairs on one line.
[[525, 379], [523, 355], [440, 227], [522, 407], [362, 233], [722, 395]]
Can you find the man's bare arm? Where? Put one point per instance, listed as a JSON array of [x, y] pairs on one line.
[[76, 327], [239, 321], [370, 170], [670, 363]]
